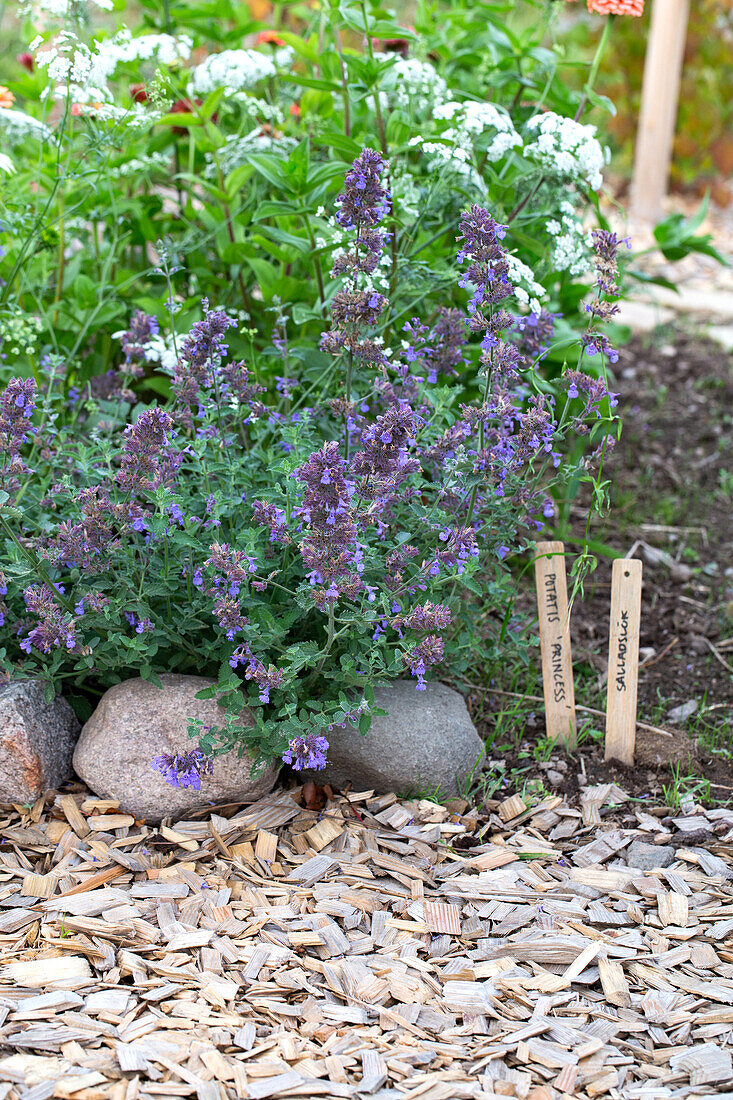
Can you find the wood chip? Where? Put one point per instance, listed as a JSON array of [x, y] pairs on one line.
[[381, 947]]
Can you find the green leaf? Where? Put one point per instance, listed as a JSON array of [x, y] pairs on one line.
[[273, 169], [310, 53]]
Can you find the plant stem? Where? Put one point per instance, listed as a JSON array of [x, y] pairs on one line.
[[316, 265], [595, 66]]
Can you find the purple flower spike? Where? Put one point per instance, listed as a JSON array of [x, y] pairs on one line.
[[307, 752], [184, 769]]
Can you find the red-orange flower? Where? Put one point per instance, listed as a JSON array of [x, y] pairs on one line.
[[138, 93], [295, 110], [617, 7], [26, 60], [269, 36], [7, 99]]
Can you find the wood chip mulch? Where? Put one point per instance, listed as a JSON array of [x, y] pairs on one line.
[[378, 948]]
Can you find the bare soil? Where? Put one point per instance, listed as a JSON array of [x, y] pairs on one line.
[[672, 499]]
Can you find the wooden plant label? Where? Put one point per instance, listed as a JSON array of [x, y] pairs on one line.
[[557, 660], [623, 660]]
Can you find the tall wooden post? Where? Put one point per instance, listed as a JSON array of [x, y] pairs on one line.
[[658, 115]]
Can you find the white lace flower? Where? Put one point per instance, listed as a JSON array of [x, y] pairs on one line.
[[527, 291], [16, 125], [572, 244], [7, 166], [165, 49], [415, 86], [566, 149], [233, 70], [61, 9], [160, 350], [151, 163]]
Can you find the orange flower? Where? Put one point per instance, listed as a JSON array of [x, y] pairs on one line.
[[295, 110], [269, 36], [617, 7], [7, 99]]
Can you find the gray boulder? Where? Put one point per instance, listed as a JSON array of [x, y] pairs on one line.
[[136, 721], [426, 743], [36, 741], [646, 857]]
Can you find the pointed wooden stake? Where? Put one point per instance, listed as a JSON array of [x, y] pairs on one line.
[[557, 660], [623, 660]]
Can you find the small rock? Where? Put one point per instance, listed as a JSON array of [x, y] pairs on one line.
[[555, 778], [36, 741], [683, 712], [136, 721], [648, 856], [426, 743]]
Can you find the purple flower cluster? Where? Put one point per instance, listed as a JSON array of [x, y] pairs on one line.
[[593, 391], [439, 350], [459, 546], [605, 248], [232, 566], [142, 328], [148, 459], [383, 464], [88, 543], [17, 404], [429, 651], [229, 615], [363, 204], [91, 601], [55, 628], [429, 617], [488, 271], [308, 751], [536, 331], [140, 626], [357, 307], [267, 677], [329, 546], [200, 357], [274, 518], [184, 769]]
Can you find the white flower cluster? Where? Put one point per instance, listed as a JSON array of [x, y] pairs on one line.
[[84, 72], [458, 149], [412, 85], [7, 165], [471, 120], [61, 9], [160, 350], [572, 245], [260, 110], [150, 164], [17, 126], [527, 291], [19, 331], [72, 65], [233, 70], [165, 49], [566, 149]]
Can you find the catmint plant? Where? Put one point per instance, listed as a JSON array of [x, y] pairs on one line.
[[300, 551]]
